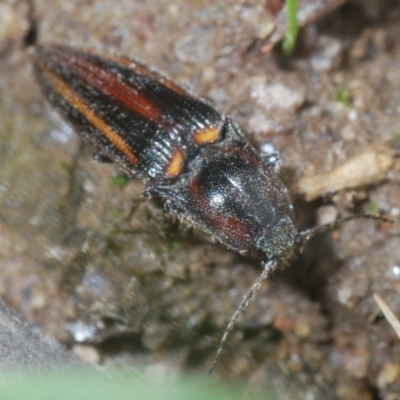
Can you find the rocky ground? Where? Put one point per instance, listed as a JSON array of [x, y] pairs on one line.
[[121, 282]]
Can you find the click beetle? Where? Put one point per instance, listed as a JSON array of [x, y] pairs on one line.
[[183, 149]]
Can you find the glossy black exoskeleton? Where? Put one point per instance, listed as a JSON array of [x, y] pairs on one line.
[[186, 152]]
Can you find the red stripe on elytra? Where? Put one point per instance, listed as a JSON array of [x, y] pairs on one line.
[[107, 82]]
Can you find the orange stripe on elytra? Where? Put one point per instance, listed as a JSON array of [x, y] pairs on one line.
[[207, 135], [175, 165], [72, 97]]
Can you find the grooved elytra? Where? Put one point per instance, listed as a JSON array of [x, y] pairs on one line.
[[77, 102]]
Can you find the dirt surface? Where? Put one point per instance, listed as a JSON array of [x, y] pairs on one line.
[[88, 259]]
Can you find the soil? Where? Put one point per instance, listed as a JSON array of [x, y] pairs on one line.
[[88, 259]]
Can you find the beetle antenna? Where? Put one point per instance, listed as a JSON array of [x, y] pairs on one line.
[[303, 237], [269, 267]]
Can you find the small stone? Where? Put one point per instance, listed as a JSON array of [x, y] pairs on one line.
[[326, 214], [348, 133], [302, 329], [328, 55], [276, 95], [86, 353], [345, 297], [389, 374], [38, 300]]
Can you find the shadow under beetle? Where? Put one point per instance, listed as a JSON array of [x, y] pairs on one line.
[[185, 151]]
